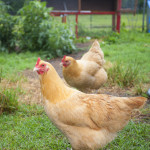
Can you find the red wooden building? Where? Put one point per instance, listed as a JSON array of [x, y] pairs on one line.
[[87, 7]]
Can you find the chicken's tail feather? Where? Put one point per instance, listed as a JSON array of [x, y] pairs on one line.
[[95, 46], [136, 102]]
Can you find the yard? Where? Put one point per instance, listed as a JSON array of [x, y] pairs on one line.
[[30, 128], [23, 122]]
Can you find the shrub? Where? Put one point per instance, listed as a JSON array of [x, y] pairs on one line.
[[15, 5], [112, 37], [6, 26], [8, 101], [36, 30]]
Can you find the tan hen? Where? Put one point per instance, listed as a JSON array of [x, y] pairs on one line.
[[88, 72], [89, 121]]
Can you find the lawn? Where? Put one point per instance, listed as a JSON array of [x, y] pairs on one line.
[[30, 128], [131, 50], [13, 63]]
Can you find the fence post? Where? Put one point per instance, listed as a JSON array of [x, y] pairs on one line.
[[113, 22], [143, 15], [118, 15], [76, 27], [148, 16]]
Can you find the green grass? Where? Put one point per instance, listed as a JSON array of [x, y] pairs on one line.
[[13, 63], [124, 76], [130, 50], [30, 128], [8, 100], [135, 136]]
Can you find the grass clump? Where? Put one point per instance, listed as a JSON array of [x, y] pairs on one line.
[[129, 52], [1, 74], [134, 136], [124, 76], [8, 101]]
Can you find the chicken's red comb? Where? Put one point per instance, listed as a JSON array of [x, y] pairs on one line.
[[38, 61], [63, 58]]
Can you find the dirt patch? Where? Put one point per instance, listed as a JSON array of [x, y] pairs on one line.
[[32, 93], [115, 90], [29, 91]]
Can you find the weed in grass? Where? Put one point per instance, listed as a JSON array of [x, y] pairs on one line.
[[124, 76], [106, 54], [16, 78], [1, 74], [81, 40], [8, 101], [146, 110], [112, 37], [140, 90]]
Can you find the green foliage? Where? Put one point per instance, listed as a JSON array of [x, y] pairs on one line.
[[112, 37], [3, 7], [81, 40], [140, 90], [6, 27], [36, 30], [8, 101], [15, 5]]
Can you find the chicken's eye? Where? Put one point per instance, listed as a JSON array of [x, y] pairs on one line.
[[43, 65]]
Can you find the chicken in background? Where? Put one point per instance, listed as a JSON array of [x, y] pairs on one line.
[[89, 121], [95, 54], [88, 72]]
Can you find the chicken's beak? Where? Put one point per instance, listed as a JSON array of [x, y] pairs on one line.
[[35, 69]]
